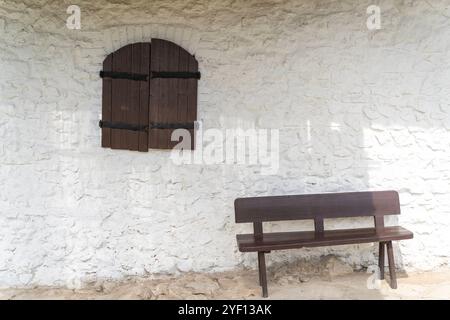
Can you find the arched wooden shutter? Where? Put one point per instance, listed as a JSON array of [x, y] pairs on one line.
[[149, 90]]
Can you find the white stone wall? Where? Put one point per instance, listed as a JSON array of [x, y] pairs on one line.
[[356, 109]]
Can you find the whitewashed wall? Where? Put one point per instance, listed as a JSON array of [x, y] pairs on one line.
[[356, 109]]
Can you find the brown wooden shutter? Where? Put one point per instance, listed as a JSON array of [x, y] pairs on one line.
[[149, 89], [173, 100], [125, 101]]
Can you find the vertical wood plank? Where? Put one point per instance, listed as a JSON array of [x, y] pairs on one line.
[[182, 107], [258, 230], [163, 115], [172, 107], [120, 97], [379, 223], [155, 89], [192, 96], [133, 113], [106, 102], [144, 99]]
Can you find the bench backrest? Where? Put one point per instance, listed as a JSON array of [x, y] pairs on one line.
[[317, 207]]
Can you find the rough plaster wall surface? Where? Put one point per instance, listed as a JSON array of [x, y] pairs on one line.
[[356, 110]]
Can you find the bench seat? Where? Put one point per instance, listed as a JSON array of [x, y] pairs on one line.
[[299, 239]]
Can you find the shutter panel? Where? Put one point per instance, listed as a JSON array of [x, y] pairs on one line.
[[149, 89], [126, 101], [173, 100]]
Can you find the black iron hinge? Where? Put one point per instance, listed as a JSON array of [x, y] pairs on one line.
[[153, 75], [153, 125], [123, 75], [175, 74], [122, 125]]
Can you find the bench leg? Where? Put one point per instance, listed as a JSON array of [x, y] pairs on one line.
[[381, 259], [262, 273], [390, 253], [259, 270]]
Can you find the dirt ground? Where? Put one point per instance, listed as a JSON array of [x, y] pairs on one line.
[[331, 280]]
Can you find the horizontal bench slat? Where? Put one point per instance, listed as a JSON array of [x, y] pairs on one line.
[[310, 206], [292, 240]]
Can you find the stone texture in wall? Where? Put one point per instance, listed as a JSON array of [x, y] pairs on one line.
[[356, 110]]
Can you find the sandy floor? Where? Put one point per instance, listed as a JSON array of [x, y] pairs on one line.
[[330, 282]]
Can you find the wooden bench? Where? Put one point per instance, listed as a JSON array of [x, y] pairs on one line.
[[318, 207]]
